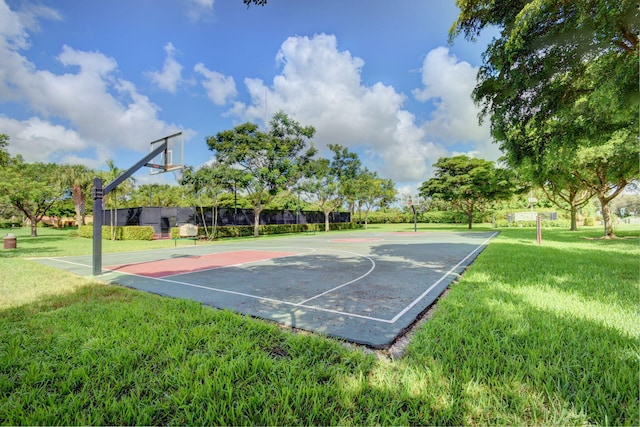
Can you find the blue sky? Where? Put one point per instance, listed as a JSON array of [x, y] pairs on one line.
[[84, 82]]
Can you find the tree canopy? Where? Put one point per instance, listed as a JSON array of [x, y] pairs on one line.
[[32, 188], [471, 185], [269, 162], [560, 75], [4, 154]]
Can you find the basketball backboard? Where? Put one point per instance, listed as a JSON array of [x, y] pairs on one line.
[[171, 158]]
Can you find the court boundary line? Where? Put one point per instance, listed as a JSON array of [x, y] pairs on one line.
[[430, 288], [302, 303]]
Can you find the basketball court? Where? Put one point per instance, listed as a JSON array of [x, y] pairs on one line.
[[362, 287]]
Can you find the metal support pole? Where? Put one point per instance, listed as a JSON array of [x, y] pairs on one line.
[[99, 192], [97, 226], [415, 219]]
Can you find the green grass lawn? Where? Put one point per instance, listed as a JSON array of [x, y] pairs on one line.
[[530, 335]]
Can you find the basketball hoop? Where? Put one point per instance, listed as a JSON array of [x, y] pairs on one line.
[[169, 159], [178, 174]]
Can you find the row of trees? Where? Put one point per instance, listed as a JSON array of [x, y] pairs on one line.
[[249, 173], [559, 87], [265, 164], [251, 169]]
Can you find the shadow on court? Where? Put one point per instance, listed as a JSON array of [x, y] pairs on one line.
[[367, 289]]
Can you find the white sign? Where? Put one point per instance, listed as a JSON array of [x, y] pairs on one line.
[[525, 216]]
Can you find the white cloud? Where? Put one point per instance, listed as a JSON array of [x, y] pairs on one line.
[[448, 84], [199, 9], [171, 75], [87, 108], [321, 86], [219, 87], [39, 140]]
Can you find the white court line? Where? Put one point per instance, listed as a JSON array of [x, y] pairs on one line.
[[297, 305], [64, 260], [417, 300], [373, 266], [302, 304], [240, 264]]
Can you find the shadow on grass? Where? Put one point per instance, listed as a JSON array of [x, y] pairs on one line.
[[549, 332], [508, 355]]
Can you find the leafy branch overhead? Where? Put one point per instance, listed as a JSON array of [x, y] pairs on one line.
[[561, 77]]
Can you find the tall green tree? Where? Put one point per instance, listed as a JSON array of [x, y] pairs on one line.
[[346, 165], [32, 188], [322, 188], [269, 162], [79, 180], [561, 74], [165, 195], [372, 191], [122, 191], [470, 185], [209, 182], [329, 183], [4, 153], [556, 177]]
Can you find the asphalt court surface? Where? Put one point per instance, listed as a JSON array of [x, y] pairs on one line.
[[362, 287]]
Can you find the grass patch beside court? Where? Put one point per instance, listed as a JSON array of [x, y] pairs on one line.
[[530, 335]]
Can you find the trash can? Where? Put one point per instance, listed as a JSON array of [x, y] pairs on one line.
[[9, 241]]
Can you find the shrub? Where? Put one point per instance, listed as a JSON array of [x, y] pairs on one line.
[[129, 232], [589, 221], [227, 231], [10, 224], [85, 231], [546, 223], [137, 232]]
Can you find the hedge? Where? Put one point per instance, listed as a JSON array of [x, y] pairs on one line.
[[431, 217], [10, 224], [546, 223], [247, 230], [128, 232]]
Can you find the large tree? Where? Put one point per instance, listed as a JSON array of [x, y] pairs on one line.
[[4, 154], [32, 188], [372, 191], [79, 180], [210, 182], [470, 185], [322, 187], [269, 162], [346, 166], [330, 183], [561, 74], [122, 191]]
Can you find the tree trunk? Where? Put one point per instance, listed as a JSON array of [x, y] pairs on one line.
[[204, 221], [606, 216], [34, 226], [326, 220], [470, 219], [256, 222], [214, 220], [574, 218], [79, 202]]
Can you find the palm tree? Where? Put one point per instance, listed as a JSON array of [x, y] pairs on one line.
[[79, 179], [112, 198]]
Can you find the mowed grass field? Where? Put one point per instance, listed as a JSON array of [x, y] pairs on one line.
[[544, 335]]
